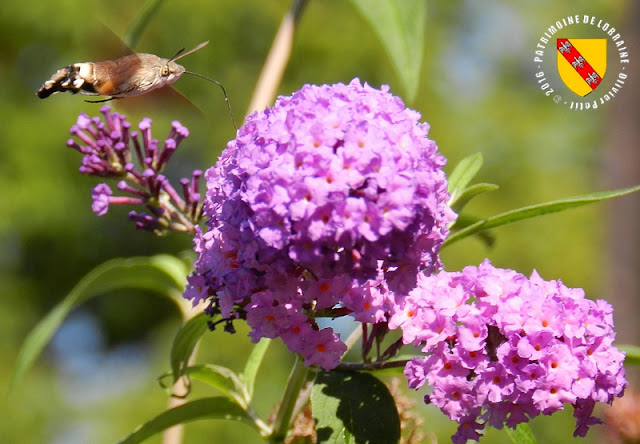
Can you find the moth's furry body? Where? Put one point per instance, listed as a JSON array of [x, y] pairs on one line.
[[128, 76]]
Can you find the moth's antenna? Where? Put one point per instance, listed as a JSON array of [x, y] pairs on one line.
[[180, 54], [226, 98]]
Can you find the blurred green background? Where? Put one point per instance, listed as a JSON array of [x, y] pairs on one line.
[[96, 381]]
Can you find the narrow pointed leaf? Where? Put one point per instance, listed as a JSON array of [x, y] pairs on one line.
[[218, 377], [185, 341], [162, 274], [469, 193], [253, 364], [140, 22], [353, 407], [400, 26], [463, 173], [222, 379], [206, 408], [464, 220], [522, 434], [537, 210]]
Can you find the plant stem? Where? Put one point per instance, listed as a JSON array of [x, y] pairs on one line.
[[297, 378], [277, 59], [175, 434], [378, 365]]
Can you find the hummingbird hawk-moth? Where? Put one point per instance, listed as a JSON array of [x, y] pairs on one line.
[[128, 76]]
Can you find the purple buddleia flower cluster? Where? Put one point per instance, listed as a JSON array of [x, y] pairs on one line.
[[334, 203], [113, 151], [329, 203], [501, 348]]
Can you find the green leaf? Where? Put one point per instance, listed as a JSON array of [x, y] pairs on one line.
[[537, 210], [185, 341], [206, 408], [469, 193], [521, 434], [162, 274], [253, 364], [400, 26], [632, 354], [462, 174], [353, 407], [140, 22], [176, 268], [464, 220], [222, 379]]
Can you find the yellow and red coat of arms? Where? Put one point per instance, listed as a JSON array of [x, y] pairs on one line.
[[582, 63]]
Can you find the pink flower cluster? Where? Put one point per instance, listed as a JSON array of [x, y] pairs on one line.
[[112, 150], [501, 348], [335, 197]]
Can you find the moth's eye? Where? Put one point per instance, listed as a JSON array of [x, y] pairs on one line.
[[165, 71]]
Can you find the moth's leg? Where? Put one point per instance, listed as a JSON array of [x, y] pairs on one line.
[[103, 100]]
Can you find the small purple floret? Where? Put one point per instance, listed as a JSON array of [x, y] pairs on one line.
[[100, 195]]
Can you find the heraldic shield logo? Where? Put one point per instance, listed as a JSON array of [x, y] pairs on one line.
[[582, 63]]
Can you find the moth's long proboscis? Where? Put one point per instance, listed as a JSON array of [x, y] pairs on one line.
[[226, 98]]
